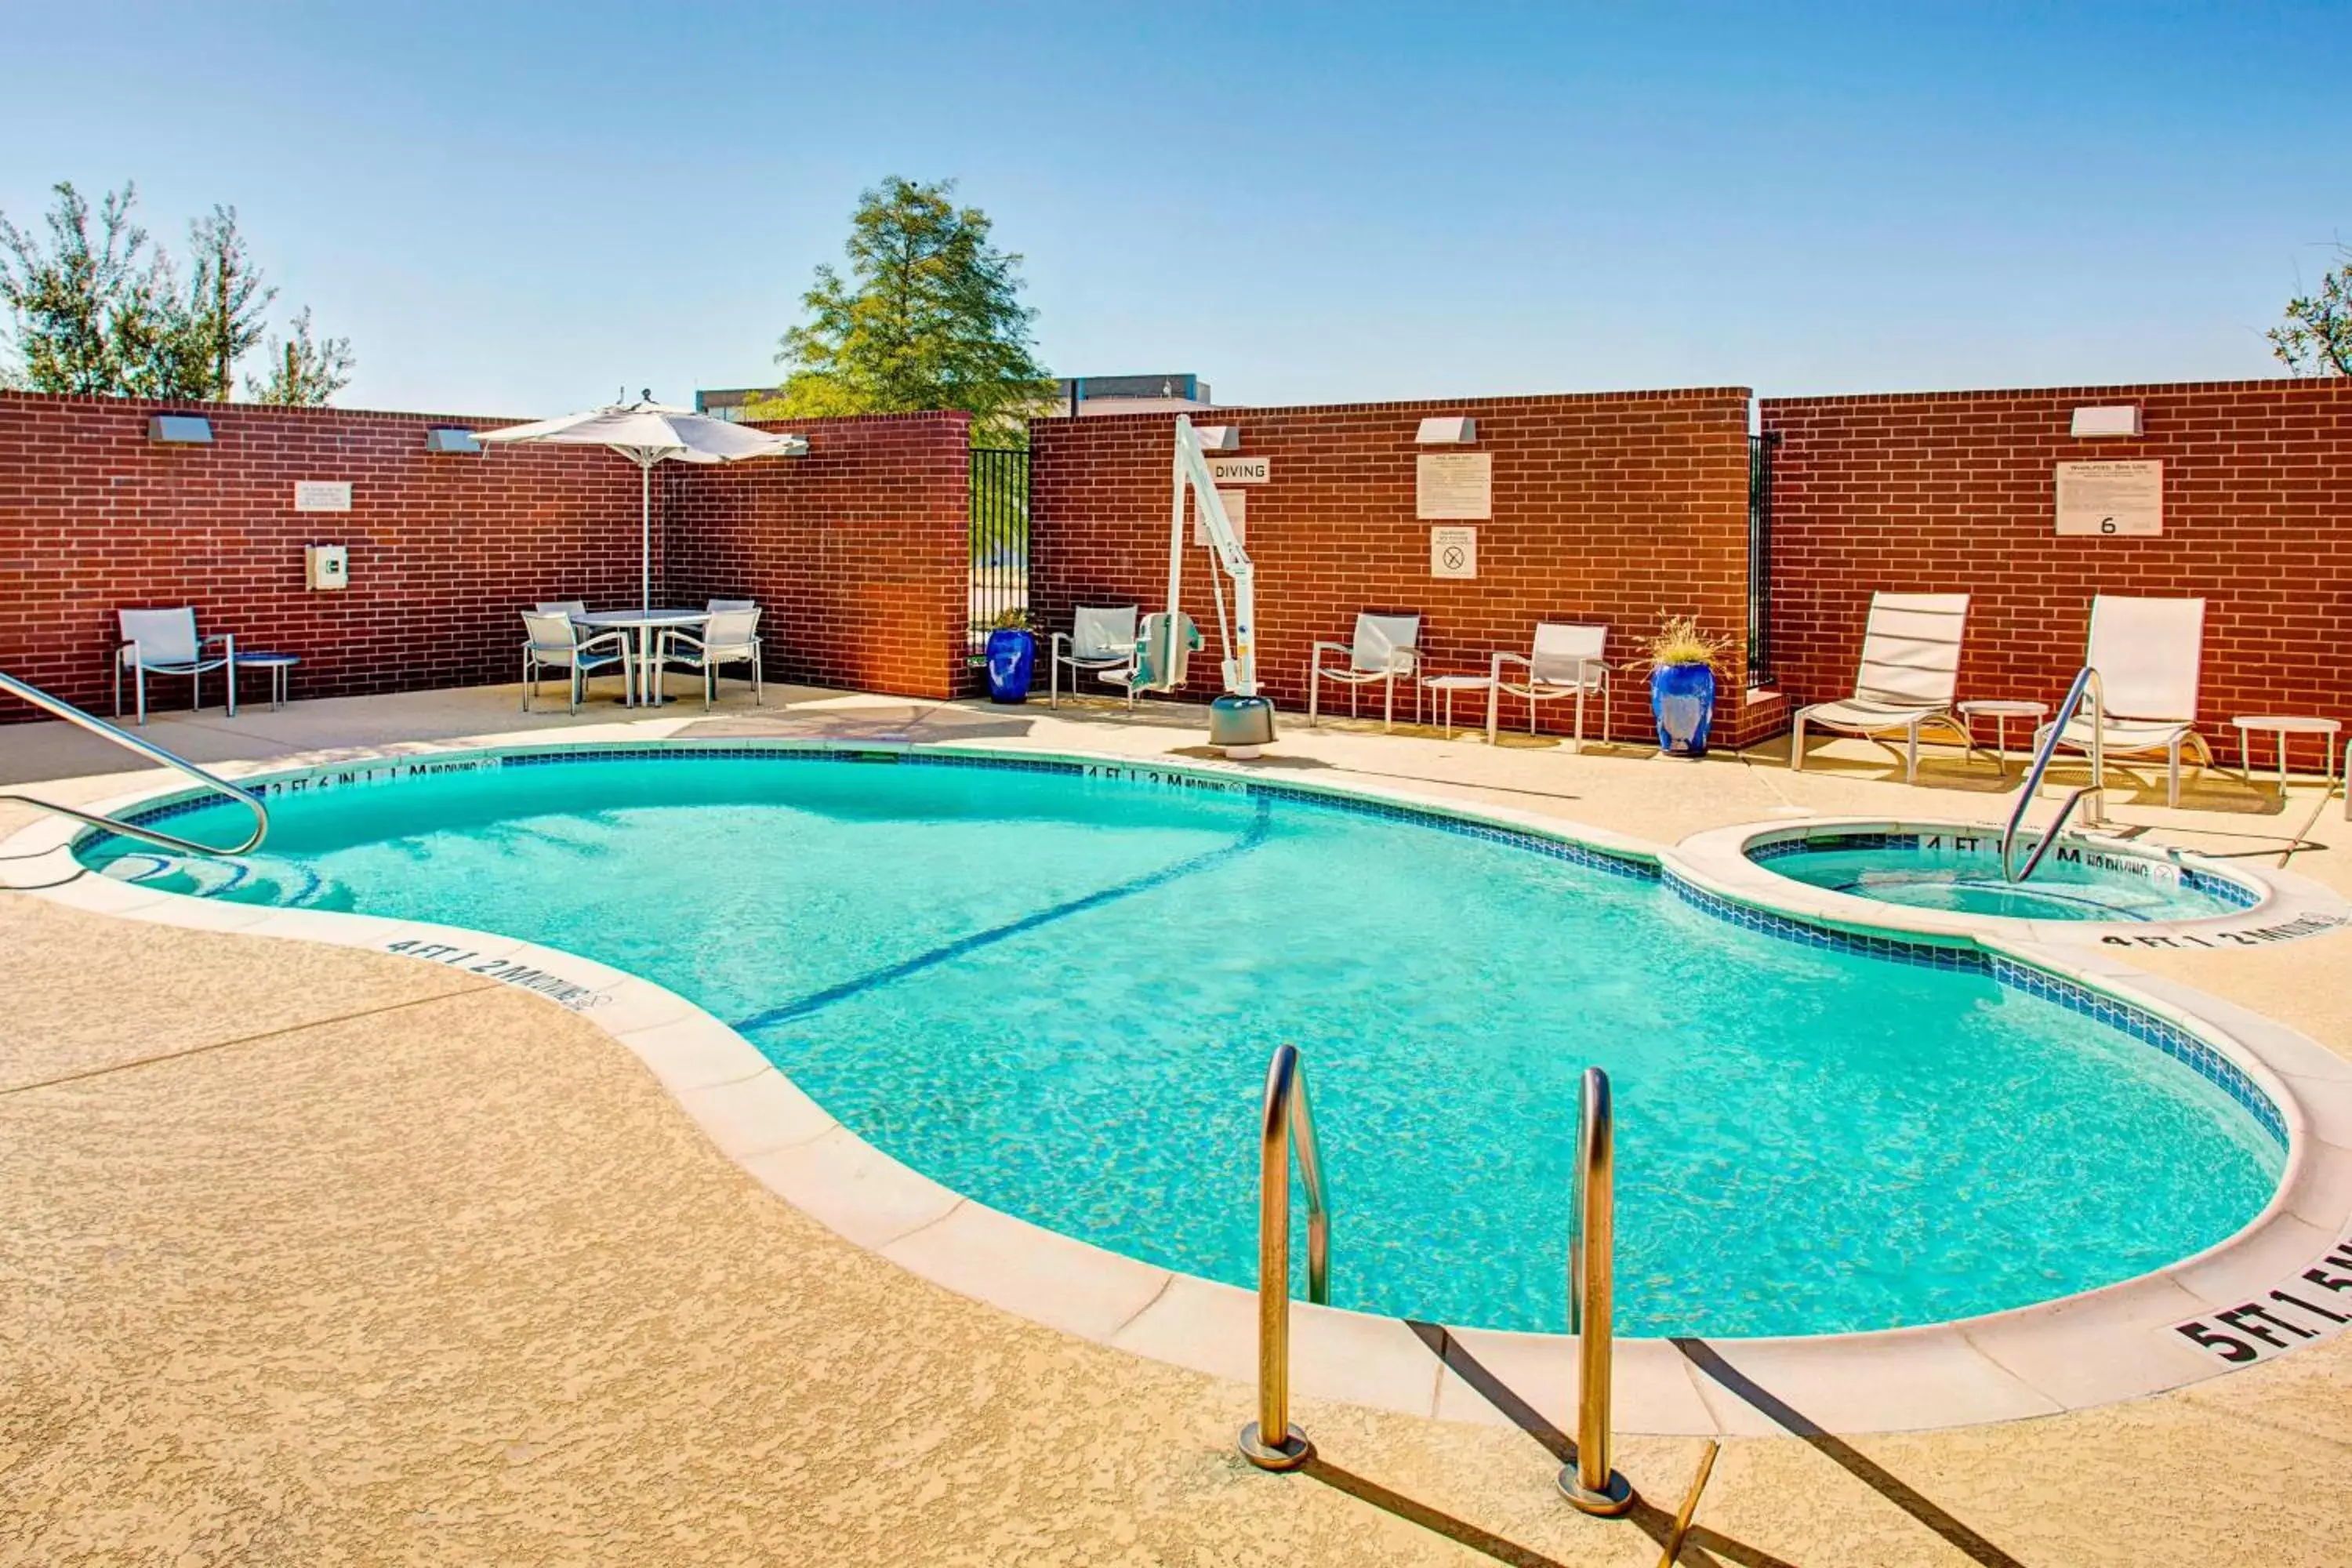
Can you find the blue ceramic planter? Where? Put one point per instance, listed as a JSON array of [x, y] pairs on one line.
[[1012, 660], [1682, 701]]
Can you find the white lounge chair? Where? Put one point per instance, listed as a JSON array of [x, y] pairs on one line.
[[552, 642], [1910, 667], [2146, 652], [729, 636], [1101, 639], [164, 642], [1565, 662], [1387, 647]]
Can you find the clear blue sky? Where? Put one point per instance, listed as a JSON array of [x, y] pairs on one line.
[[513, 210]]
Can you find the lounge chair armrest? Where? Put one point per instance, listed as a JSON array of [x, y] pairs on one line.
[[1334, 647], [1061, 641], [1501, 658]]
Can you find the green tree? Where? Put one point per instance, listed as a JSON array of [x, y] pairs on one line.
[[2316, 339], [73, 299], [929, 317], [222, 318], [105, 314], [305, 373]]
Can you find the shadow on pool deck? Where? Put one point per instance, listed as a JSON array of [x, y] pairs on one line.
[[1650, 1520]]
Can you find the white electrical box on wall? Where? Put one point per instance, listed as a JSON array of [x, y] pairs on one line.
[[326, 566]]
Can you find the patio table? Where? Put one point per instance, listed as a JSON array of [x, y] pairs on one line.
[[643, 671], [1445, 685], [2281, 725], [276, 665]]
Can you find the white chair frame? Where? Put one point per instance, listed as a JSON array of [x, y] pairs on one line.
[[1101, 638], [729, 636], [164, 642], [2147, 692], [1564, 661], [1910, 672], [577, 657], [1386, 648]]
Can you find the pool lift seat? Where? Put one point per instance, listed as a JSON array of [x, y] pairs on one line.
[[1241, 722]]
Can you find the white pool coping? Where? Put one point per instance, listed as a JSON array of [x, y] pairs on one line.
[[2118, 1343]]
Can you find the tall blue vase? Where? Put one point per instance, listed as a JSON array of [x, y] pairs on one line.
[[1682, 701], [1012, 660]]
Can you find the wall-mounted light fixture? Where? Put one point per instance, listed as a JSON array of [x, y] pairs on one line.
[[1447, 430], [1219, 437], [447, 438], [180, 430], [2119, 420]]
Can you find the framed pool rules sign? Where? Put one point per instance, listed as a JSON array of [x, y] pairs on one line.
[[2114, 500]]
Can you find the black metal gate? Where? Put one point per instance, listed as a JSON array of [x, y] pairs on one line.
[[1000, 539], [1760, 557]]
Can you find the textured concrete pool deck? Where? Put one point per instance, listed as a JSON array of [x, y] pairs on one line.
[[320, 1256]]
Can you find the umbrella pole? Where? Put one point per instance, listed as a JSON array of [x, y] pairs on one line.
[[645, 539]]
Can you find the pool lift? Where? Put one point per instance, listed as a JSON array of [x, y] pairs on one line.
[[1241, 722]]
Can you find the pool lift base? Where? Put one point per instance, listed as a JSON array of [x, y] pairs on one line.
[[1239, 726], [1241, 722]]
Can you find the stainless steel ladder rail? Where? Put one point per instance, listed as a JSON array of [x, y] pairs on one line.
[[1589, 1483], [1287, 1121], [2086, 687], [154, 753]]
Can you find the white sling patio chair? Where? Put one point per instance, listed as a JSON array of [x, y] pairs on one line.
[[728, 637], [2146, 652], [1101, 639], [1565, 662], [164, 642], [1910, 665], [562, 606], [1386, 647], [552, 642], [718, 604]]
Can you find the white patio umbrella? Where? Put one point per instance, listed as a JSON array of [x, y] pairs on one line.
[[646, 433]]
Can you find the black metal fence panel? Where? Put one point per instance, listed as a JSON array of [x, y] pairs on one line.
[[1760, 558], [1000, 539]]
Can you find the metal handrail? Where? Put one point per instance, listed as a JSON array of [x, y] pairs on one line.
[[1589, 1483], [2088, 685], [1288, 1119], [154, 753]]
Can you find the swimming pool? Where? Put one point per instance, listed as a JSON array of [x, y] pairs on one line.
[[1958, 871], [1055, 990]]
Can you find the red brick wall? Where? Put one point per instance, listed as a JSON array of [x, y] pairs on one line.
[[858, 552], [445, 549], [859, 546], [1955, 493], [1618, 508]]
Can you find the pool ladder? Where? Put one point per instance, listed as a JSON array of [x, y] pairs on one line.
[[1287, 1124], [2086, 688], [151, 753]]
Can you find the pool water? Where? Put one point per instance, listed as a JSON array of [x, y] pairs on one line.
[[2076, 882], [1057, 995]]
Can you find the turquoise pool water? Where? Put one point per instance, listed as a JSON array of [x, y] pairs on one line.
[[1923, 870], [1057, 995]]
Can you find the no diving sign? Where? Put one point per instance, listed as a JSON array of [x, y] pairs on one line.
[[1454, 552]]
